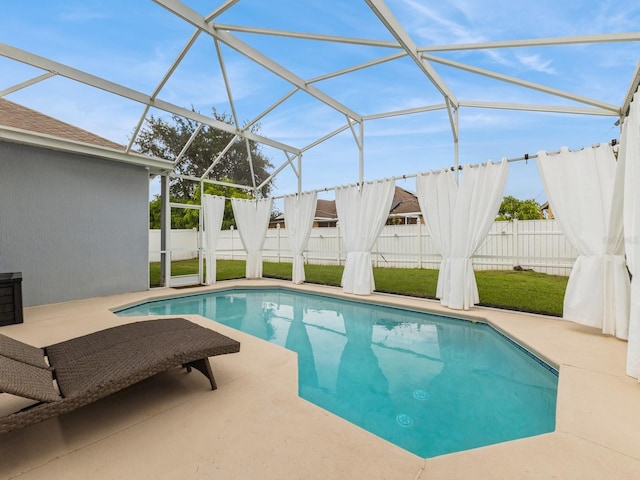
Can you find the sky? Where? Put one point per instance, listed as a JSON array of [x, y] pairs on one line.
[[135, 43]]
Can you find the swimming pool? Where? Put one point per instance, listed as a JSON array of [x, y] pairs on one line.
[[428, 383]]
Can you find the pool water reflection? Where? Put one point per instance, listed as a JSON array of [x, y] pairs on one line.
[[428, 383]]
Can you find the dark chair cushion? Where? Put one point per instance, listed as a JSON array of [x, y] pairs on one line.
[[17, 350], [24, 380]]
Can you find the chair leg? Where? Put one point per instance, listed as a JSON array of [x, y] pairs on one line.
[[204, 367]]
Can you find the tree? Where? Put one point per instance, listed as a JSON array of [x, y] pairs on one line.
[[188, 217], [512, 208], [166, 139]]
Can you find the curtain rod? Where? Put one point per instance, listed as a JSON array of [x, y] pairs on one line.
[[525, 157], [328, 189]]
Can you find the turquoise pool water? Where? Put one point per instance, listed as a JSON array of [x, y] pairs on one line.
[[428, 383]]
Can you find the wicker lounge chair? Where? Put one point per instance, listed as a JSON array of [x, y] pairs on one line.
[[94, 366]]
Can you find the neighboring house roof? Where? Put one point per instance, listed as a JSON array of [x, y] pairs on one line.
[[17, 116], [404, 202], [326, 210]]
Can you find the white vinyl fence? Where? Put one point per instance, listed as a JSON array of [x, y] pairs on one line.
[[531, 244]]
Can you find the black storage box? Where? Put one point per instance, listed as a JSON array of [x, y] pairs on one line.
[[10, 298]]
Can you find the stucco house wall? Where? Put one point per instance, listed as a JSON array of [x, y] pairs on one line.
[[75, 226]]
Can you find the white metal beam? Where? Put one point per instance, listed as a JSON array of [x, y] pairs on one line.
[[633, 88], [219, 157], [538, 108], [137, 128], [299, 173], [26, 83], [326, 137], [227, 85], [250, 160], [307, 36], [279, 102], [221, 9], [197, 20], [176, 62], [523, 83], [452, 110], [188, 144], [207, 180], [163, 81], [537, 42], [454, 118], [293, 167], [355, 135], [288, 161], [360, 66], [361, 152], [406, 111], [395, 28], [125, 92]]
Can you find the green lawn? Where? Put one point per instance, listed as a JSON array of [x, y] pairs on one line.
[[523, 291]]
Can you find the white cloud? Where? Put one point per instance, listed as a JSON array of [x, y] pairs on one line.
[[535, 62], [478, 121], [434, 28], [498, 57]]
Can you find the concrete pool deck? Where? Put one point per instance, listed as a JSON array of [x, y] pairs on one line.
[[254, 426]]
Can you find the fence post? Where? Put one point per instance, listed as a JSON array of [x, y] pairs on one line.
[[514, 244], [338, 240], [231, 230], [278, 235], [374, 251], [419, 225]]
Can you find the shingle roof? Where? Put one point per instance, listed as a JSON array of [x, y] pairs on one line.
[[403, 202], [326, 209], [17, 116]]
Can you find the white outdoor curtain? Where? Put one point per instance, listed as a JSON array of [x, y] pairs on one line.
[[299, 211], [629, 161], [252, 219], [458, 219], [362, 215], [212, 211], [580, 190], [436, 192]]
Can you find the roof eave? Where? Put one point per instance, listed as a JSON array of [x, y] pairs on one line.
[[155, 166]]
